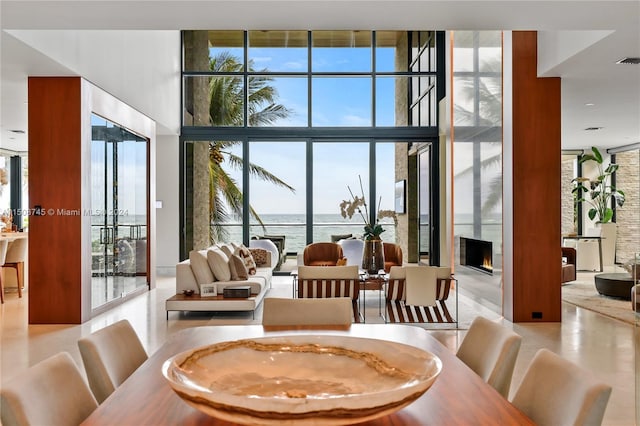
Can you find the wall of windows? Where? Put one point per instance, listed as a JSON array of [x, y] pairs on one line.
[[319, 78], [311, 112]]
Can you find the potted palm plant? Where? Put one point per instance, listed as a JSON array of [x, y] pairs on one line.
[[603, 195]]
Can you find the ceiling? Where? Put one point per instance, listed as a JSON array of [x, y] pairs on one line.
[[579, 41]]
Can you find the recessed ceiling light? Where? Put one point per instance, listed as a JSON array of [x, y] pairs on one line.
[[630, 61], [594, 128], [589, 104], [21, 132]]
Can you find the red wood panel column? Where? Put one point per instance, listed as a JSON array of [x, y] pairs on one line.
[[55, 184], [536, 187]]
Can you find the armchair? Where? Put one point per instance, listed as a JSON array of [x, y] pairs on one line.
[[279, 241], [322, 254], [353, 250], [329, 282], [568, 266], [399, 306], [392, 256]]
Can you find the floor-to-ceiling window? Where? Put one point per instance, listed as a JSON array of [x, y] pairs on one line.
[[314, 112]]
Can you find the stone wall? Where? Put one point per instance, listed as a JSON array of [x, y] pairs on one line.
[[568, 223], [628, 216]]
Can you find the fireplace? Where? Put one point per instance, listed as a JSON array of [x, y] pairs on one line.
[[477, 254]]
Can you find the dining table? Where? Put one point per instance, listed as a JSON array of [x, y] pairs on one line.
[[457, 397]]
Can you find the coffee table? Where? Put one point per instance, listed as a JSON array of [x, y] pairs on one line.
[[614, 285]]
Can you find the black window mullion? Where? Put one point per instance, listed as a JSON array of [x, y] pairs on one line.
[[309, 189], [309, 78], [246, 79], [373, 79]]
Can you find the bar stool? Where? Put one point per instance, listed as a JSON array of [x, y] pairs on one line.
[[3, 256], [16, 255]]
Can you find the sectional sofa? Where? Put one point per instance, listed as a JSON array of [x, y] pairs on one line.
[[208, 272]]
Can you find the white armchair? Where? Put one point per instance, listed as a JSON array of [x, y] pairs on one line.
[[352, 249], [270, 247]]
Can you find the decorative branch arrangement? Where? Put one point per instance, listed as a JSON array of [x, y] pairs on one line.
[[357, 204]]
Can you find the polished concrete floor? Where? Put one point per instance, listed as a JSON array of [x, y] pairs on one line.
[[604, 346]]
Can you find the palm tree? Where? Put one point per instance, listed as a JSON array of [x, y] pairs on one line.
[[226, 108]]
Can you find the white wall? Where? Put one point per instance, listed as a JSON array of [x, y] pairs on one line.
[[141, 68], [167, 217]]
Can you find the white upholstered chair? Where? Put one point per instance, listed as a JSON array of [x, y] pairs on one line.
[[332, 311], [352, 249], [3, 256], [491, 351], [270, 247], [52, 392], [110, 355], [554, 391]]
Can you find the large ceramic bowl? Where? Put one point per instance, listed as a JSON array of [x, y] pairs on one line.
[[302, 379]]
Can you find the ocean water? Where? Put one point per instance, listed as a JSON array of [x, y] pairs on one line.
[[292, 226], [326, 225]]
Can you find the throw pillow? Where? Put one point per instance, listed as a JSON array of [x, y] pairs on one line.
[[200, 266], [245, 255], [238, 266], [219, 264], [259, 256], [232, 269], [227, 249]]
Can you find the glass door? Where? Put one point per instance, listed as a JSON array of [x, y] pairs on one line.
[[118, 212]]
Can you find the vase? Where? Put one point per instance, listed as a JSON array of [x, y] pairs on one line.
[[373, 256], [608, 232]]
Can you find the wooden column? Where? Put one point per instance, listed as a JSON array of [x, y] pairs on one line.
[[56, 164], [536, 187]]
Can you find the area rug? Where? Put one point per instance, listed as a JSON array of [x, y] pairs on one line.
[[585, 295]]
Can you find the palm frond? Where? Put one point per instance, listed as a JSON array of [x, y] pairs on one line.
[[494, 197]]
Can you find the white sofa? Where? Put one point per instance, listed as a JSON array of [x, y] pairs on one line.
[[193, 273]]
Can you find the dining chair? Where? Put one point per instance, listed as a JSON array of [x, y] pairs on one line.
[[332, 311], [15, 258], [490, 350], [555, 391], [3, 256], [110, 355], [51, 392]]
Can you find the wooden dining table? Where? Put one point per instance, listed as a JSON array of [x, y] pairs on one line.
[[458, 396]]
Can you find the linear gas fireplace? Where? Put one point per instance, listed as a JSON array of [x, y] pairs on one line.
[[477, 254]]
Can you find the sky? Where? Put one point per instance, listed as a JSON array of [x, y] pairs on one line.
[[337, 101]]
